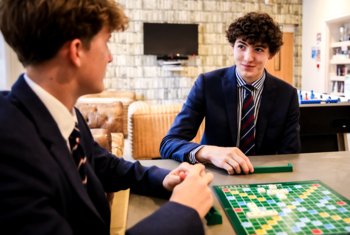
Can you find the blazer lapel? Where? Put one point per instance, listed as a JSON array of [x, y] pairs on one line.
[[229, 87], [48, 130], [267, 102]]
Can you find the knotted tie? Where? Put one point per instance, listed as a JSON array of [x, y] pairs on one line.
[[247, 140], [78, 153]]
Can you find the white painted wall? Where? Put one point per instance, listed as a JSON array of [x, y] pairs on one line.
[[315, 14], [2, 64], [10, 67]]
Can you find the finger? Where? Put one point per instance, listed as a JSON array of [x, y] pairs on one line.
[[194, 170], [199, 168], [185, 166], [235, 165], [182, 175], [250, 168], [230, 170], [203, 172], [250, 165], [174, 179], [244, 162], [208, 177], [171, 181]]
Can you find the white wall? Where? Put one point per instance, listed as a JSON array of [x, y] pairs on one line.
[[10, 67], [3, 80], [315, 14]]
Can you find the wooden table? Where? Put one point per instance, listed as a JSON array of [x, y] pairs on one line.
[[332, 168]]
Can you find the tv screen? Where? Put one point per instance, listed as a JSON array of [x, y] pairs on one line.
[[170, 40]]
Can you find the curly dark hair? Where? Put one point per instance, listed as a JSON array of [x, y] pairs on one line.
[[256, 28]]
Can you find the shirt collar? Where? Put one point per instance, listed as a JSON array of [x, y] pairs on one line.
[[258, 84], [64, 118]]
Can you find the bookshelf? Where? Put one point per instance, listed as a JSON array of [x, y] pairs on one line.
[[338, 57]]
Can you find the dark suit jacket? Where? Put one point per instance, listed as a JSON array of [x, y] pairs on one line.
[[214, 97], [41, 191]]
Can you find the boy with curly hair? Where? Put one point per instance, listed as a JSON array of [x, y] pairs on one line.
[[247, 111], [52, 183]]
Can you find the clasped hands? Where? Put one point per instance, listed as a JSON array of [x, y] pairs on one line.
[[190, 183], [190, 186]]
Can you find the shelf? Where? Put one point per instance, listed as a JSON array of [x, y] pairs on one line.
[[172, 68], [170, 63], [340, 44], [343, 61], [337, 93], [338, 58], [338, 78]]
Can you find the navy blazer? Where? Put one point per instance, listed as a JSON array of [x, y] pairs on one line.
[[214, 96], [41, 191]]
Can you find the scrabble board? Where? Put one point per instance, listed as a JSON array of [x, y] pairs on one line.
[[302, 207]]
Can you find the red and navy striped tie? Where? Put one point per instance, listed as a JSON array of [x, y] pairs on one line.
[[78, 153], [247, 139]]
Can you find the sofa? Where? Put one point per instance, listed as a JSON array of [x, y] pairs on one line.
[[148, 124], [106, 113], [125, 97]]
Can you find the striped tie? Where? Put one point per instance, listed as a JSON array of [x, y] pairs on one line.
[[247, 139], [78, 153]]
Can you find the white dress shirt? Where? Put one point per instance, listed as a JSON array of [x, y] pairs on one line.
[[64, 118]]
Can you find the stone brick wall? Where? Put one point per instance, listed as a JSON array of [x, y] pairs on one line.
[[131, 70]]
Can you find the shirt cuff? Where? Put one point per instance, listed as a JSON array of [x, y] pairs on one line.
[[192, 156]]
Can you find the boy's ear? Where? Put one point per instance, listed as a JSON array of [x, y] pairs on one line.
[[76, 49]]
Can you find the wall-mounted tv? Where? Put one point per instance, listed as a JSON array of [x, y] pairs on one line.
[[170, 41]]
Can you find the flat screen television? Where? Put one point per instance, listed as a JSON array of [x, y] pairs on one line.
[[170, 41]]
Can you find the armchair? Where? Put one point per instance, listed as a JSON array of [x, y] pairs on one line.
[[148, 124]]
